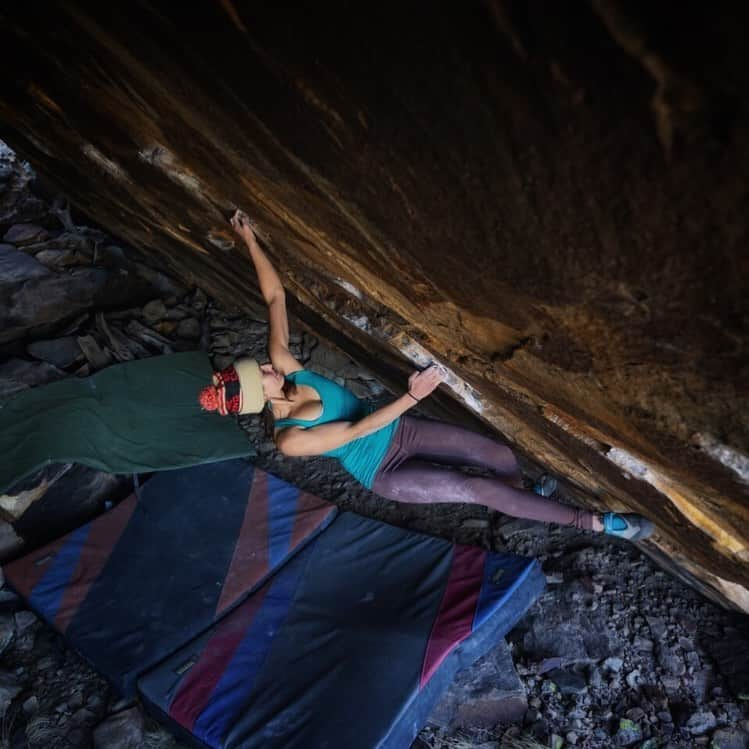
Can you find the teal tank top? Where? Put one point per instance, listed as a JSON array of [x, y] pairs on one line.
[[360, 457]]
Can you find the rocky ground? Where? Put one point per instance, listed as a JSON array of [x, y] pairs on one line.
[[615, 653]]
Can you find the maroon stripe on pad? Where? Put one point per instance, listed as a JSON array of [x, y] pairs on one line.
[[102, 538], [197, 686], [250, 559], [311, 512], [454, 620], [26, 572]]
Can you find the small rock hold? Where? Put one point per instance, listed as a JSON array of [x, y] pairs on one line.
[[76, 700], [31, 705], [549, 687], [199, 300], [613, 665], [568, 682], [179, 312], [154, 311], [24, 620], [95, 701], [123, 730], [700, 723], [671, 662], [61, 352], [7, 631], [629, 733], [18, 266], [222, 362], [59, 259], [730, 738], [636, 714], [595, 679], [97, 357], [188, 328], [672, 684], [83, 716], [633, 679], [475, 523], [23, 234], [9, 689], [165, 327], [45, 663]]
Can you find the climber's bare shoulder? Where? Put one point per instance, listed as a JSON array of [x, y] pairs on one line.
[[283, 360]]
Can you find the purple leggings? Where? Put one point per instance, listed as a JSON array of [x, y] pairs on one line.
[[408, 473]]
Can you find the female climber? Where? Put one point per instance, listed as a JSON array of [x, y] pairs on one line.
[[397, 456]]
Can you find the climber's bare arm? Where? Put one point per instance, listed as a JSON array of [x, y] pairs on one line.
[[320, 439], [274, 296]]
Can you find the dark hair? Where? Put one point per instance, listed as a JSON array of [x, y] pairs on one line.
[[269, 420]]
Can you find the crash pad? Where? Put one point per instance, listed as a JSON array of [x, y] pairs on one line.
[[141, 580], [349, 644]]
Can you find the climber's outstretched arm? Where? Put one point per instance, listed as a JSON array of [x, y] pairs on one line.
[[274, 296]]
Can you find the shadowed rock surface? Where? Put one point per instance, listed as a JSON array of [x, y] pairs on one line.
[[549, 199], [615, 653]]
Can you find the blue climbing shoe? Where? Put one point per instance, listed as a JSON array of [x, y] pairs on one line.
[[629, 525], [545, 486]]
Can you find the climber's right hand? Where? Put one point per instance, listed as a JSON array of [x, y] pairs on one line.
[[421, 384], [242, 225]]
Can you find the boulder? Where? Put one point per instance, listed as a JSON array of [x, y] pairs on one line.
[[60, 352], [731, 653], [17, 266], [482, 695], [123, 730], [10, 688], [10, 542], [60, 259], [49, 299], [568, 681], [628, 733], [471, 189], [154, 311], [188, 328], [17, 374], [730, 738], [98, 357], [700, 723], [19, 497], [7, 631], [23, 234]]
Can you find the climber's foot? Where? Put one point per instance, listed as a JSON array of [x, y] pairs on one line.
[[545, 486], [627, 525]]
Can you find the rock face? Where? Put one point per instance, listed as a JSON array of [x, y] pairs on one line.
[[487, 693], [549, 200]]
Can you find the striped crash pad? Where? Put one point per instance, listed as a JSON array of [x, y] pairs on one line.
[[141, 580], [350, 644]]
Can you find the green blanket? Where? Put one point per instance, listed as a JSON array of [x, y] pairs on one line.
[[129, 418]]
